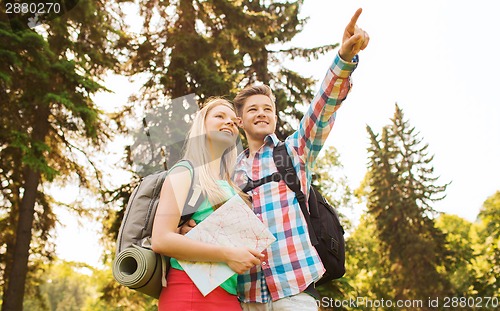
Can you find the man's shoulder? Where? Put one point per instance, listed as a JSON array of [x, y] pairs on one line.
[[242, 156]]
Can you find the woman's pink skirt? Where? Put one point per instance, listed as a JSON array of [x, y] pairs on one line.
[[182, 294]]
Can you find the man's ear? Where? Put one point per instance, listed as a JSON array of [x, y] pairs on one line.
[[239, 122]]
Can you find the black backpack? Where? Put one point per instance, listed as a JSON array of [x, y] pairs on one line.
[[325, 231]]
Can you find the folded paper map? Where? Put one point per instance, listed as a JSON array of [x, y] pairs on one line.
[[232, 224]]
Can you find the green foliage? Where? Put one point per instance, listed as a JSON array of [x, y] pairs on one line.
[[63, 287], [486, 263], [367, 269], [111, 296], [474, 266], [329, 177], [460, 249], [490, 215], [76, 286]]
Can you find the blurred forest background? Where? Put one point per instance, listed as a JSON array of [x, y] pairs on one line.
[[53, 134]]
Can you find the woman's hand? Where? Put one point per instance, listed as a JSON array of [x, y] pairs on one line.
[[241, 259]]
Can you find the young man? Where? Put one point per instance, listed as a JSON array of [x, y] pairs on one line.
[[291, 264]]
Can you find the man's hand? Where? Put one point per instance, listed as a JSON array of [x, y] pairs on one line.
[[185, 228], [355, 39], [241, 259]]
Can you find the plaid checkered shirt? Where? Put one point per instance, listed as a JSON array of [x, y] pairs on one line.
[[291, 263]]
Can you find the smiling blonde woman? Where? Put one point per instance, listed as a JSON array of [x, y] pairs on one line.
[[211, 150]]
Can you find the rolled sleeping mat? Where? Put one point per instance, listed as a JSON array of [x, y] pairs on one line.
[[140, 269]]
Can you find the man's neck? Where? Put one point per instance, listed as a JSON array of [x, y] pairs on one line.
[[254, 145]]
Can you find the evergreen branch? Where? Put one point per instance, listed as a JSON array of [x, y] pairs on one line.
[[73, 147]]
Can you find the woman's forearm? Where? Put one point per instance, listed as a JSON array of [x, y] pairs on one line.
[[183, 248]]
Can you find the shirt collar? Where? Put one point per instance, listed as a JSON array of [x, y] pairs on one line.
[[270, 139]]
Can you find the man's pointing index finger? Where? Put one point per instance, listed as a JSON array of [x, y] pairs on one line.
[[354, 20]]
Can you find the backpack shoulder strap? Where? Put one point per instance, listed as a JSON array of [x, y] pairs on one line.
[[284, 165], [194, 197]]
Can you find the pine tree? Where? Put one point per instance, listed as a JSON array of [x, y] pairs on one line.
[[215, 48], [48, 122], [402, 188]]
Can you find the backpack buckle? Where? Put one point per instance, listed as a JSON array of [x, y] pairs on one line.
[[334, 246], [249, 186]]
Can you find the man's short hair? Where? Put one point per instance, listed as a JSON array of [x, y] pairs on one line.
[[243, 95]]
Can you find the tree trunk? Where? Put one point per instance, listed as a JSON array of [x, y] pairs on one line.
[[9, 246], [14, 294], [13, 297]]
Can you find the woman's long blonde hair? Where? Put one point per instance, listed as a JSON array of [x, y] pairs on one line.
[[196, 151]]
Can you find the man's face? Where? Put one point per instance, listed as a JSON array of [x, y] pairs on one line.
[[258, 117]]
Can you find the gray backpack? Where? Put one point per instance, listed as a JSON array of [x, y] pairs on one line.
[[136, 265]]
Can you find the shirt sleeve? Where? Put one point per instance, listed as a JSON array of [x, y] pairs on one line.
[[319, 118]]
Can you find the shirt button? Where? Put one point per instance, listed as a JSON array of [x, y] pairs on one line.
[[263, 263], [254, 192], [258, 214]]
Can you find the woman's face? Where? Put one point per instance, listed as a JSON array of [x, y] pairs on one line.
[[221, 127]]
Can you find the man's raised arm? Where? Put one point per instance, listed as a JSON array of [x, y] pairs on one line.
[[318, 120]]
